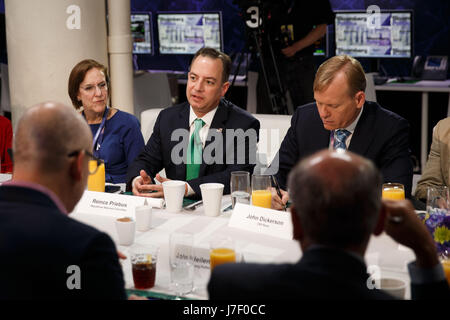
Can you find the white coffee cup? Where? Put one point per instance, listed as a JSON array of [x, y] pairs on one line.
[[212, 198], [173, 194], [395, 287], [125, 228], [143, 218]]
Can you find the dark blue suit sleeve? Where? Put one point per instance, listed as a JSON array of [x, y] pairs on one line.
[[133, 141], [150, 159], [101, 273], [287, 155], [395, 161]]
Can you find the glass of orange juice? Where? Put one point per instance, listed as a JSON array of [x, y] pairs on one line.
[[393, 191], [446, 265], [221, 251], [261, 194], [96, 181]]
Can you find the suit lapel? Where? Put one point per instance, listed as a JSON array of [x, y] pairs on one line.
[[217, 125], [183, 122], [363, 134]]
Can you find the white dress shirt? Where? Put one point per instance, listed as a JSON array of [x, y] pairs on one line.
[[350, 128], [207, 119]]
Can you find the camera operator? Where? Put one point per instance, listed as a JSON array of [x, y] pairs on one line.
[[300, 25]]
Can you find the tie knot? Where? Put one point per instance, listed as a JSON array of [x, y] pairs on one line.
[[199, 123], [341, 136]]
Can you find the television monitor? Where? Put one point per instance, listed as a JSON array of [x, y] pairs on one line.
[[186, 32], [141, 31], [359, 34]]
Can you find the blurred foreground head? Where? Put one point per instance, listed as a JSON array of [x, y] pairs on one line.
[[45, 136], [336, 200]]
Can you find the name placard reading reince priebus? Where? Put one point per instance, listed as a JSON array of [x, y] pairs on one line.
[[266, 221], [109, 203]]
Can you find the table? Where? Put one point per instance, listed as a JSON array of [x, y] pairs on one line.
[[424, 86], [383, 252]]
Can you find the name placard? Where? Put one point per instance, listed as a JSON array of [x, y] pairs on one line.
[[261, 220], [113, 204]]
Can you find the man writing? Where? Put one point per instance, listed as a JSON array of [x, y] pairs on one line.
[[206, 152], [342, 118], [45, 254], [336, 208]]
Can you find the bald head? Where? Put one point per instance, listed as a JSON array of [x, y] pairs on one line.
[[46, 134], [336, 196]]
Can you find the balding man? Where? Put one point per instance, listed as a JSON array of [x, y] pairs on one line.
[[336, 208], [44, 253], [342, 118]]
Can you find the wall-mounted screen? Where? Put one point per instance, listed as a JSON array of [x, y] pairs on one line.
[[186, 32], [364, 35], [141, 31]]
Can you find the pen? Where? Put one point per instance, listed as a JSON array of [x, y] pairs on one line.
[[277, 187], [194, 205]]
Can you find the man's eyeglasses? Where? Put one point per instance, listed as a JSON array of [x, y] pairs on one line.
[[92, 169]]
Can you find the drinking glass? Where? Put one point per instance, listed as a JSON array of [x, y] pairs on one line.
[[446, 265], [222, 250], [261, 191], [438, 200], [143, 266], [393, 191], [240, 187], [96, 181], [181, 262]]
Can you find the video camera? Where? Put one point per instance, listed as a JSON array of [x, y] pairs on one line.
[[267, 17]]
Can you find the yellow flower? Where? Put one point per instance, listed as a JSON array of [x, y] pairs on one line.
[[441, 235]]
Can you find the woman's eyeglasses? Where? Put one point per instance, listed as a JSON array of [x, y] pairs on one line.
[[91, 88]]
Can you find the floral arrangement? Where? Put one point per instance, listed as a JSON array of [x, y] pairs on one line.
[[438, 223]]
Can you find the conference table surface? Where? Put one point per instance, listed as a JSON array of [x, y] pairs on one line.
[[384, 255]]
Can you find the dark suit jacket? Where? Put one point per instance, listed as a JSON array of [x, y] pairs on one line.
[[157, 154], [37, 245], [323, 273], [380, 135]]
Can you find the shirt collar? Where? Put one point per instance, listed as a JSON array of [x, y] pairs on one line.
[[40, 188], [207, 118], [352, 125]]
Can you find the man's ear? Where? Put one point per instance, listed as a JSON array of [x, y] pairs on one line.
[[296, 224], [381, 220], [360, 99], [76, 167], [225, 87]]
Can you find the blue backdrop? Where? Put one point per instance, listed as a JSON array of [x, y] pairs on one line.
[[431, 31]]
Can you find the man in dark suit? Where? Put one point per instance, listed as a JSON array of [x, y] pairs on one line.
[[44, 253], [336, 208], [199, 141], [342, 118]]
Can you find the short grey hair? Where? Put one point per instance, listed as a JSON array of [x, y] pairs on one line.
[[338, 204], [46, 133]]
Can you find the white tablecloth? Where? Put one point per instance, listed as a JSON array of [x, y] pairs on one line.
[[389, 257]]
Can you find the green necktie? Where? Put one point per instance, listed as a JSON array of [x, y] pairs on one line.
[[194, 156]]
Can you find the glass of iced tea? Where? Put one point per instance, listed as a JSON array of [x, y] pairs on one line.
[[143, 266]]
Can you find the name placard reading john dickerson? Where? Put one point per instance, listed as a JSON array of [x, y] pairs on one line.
[[261, 220]]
